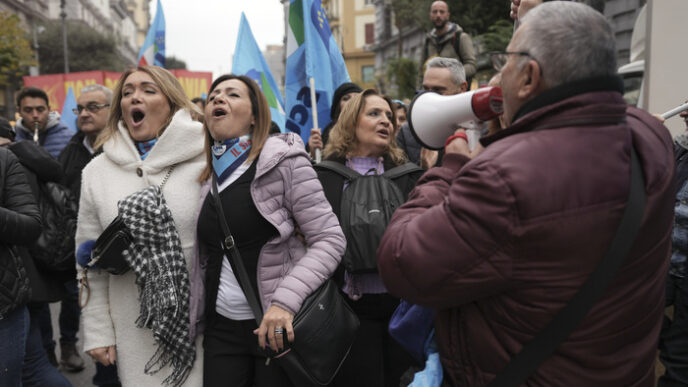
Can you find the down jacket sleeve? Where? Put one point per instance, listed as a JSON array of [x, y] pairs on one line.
[[305, 199], [20, 221], [444, 246]]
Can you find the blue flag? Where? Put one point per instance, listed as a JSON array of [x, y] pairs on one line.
[[311, 52], [153, 50], [68, 118], [249, 61]]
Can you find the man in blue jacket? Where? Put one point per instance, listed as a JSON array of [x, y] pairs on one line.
[[38, 123]]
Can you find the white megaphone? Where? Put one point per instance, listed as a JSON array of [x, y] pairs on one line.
[[433, 117]]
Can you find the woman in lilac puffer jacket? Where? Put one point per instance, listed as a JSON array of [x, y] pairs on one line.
[[268, 191]]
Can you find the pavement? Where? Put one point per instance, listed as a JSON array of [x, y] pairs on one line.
[[84, 378], [78, 379]]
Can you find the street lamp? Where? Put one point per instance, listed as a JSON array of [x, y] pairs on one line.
[[63, 15]]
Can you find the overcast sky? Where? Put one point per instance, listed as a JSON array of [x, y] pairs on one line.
[[203, 32]]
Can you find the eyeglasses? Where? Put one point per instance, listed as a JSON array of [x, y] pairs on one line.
[[91, 107], [499, 58]]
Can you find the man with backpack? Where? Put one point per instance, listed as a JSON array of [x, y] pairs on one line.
[[448, 40], [43, 127]]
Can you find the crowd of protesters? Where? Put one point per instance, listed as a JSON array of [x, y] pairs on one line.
[[544, 254]]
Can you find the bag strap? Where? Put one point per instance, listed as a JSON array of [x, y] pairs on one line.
[[338, 168], [401, 170], [456, 43], [543, 345], [167, 176], [234, 257]]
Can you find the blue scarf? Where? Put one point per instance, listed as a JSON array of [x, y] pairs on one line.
[[229, 156], [144, 147]]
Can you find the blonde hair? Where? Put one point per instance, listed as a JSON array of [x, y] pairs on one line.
[[343, 141], [261, 126], [170, 88]]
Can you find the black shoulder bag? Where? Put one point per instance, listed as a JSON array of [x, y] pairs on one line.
[[543, 345], [324, 327]]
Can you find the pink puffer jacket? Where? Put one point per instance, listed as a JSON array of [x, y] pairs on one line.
[[287, 192]]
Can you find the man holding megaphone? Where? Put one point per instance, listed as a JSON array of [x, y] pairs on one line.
[[545, 254]]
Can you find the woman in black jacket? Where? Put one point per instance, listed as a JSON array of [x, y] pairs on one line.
[[363, 140], [20, 224]]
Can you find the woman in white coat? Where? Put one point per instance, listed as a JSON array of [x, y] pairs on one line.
[[149, 134]]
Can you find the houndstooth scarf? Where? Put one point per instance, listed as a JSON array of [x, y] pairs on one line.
[[157, 258]]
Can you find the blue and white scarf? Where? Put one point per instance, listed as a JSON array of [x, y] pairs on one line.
[[229, 156]]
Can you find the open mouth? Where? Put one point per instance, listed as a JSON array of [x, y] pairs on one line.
[[219, 112], [383, 132], [137, 116]]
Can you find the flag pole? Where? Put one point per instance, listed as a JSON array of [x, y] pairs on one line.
[[314, 107]]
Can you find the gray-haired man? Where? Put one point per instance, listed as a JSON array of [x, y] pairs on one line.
[[444, 76], [499, 242], [93, 106]]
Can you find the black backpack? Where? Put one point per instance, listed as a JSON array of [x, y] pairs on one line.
[[54, 248], [367, 206]]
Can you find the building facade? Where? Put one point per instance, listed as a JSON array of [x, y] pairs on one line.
[[622, 15], [109, 17], [32, 13], [353, 27], [127, 21], [274, 56], [140, 10]]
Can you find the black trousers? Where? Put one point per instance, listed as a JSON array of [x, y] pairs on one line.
[[375, 359], [233, 358]]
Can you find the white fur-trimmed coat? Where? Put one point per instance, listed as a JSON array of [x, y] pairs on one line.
[[110, 315]]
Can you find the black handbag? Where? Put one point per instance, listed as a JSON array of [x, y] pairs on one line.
[[324, 328], [107, 252]]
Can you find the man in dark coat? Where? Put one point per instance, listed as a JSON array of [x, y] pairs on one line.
[[499, 241], [93, 106], [673, 342]]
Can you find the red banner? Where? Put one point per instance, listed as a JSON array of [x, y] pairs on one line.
[[195, 83], [111, 79]]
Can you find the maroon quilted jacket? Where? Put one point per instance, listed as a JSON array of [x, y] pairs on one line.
[[500, 243]]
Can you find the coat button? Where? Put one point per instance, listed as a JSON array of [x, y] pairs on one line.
[[139, 172]]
